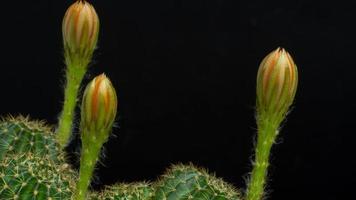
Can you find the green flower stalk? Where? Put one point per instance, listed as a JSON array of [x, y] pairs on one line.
[[80, 30], [277, 81], [98, 113]]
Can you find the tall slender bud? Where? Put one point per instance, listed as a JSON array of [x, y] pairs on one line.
[[98, 114], [277, 81], [80, 29], [99, 104]]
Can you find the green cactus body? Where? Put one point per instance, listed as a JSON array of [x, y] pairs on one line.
[[27, 176], [187, 182], [181, 182], [135, 191], [19, 135]]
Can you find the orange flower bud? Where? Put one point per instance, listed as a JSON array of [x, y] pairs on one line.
[[80, 29], [277, 81], [99, 104]]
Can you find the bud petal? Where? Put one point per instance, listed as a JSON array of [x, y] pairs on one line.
[[99, 104], [277, 81], [80, 29]]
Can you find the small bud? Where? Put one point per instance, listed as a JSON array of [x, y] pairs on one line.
[[99, 104], [277, 81], [80, 29]]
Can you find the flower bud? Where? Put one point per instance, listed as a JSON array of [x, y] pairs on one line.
[[80, 29], [99, 104], [277, 81]]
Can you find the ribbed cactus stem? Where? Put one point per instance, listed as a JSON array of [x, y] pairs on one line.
[[267, 132], [75, 73], [91, 146]]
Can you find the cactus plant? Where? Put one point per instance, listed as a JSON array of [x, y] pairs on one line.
[[188, 182], [132, 191], [32, 159], [29, 176], [20, 135], [180, 182]]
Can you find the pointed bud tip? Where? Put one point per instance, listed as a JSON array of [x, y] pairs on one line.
[[102, 76]]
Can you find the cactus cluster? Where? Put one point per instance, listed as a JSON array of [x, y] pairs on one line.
[[180, 182], [33, 161], [36, 169]]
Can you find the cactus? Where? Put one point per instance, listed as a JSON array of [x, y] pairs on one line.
[[180, 182], [32, 159], [29, 176], [188, 182], [19, 135], [133, 191]]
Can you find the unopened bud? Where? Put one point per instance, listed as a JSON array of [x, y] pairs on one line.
[[99, 105], [80, 29], [277, 81]]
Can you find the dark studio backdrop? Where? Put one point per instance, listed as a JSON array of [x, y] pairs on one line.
[[185, 75]]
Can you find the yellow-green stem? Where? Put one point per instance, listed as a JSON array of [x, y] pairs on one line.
[[267, 132], [91, 146], [75, 73]]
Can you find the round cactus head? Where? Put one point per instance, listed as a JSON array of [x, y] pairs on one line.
[[28, 176]]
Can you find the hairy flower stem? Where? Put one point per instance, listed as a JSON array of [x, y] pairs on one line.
[[98, 113], [91, 147], [75, 73], [267, 132]]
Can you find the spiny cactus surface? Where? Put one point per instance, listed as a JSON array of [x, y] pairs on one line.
[[135, 191], [28, 176], [183, 182], [19, 135]]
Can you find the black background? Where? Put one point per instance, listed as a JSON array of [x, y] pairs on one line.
[[185, 76]]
